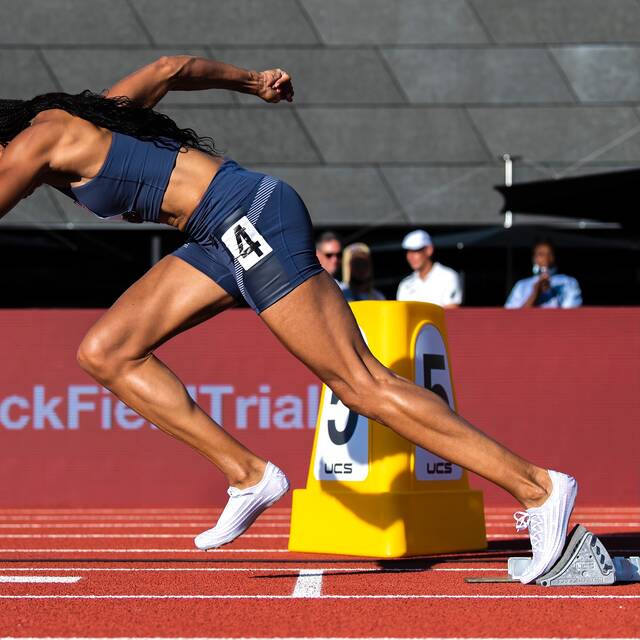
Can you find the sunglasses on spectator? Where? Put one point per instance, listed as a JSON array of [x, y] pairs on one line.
[[331, 254]]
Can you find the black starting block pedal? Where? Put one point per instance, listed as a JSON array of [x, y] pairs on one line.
[[584, 562]]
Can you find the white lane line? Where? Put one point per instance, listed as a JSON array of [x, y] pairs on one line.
[[388, 596], [127, 511], [254, 569], [40, 579], [522, 536], [575, 516], [82, 536], [308, 584], [118, 518], [207, 523], [503, 512], [200, 525], [509, 525], [583, 509], [130, 525], [197, 520], [262, 522], [64, 550]]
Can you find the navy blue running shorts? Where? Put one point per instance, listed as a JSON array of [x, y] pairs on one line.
[[258, 246]]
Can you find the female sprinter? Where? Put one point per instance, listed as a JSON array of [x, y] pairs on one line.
[[249, 237]]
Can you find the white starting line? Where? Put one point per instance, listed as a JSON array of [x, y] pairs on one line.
[[308, 584], [39, 579]]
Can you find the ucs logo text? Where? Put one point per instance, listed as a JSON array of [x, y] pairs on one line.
[[439, 467], [338, 468]]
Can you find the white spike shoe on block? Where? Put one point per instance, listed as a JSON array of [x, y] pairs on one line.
[[548, 525], [244, 506]]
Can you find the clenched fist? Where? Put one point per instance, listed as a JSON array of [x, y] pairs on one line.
[[275, 85]]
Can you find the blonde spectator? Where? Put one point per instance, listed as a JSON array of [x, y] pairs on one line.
[[357, 271]]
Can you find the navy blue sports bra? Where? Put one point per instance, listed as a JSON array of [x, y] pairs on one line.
[[132, 180]]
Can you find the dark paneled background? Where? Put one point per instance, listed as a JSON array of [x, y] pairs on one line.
[[403, 107]]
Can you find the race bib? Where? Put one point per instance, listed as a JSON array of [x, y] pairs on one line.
[[246, 245]]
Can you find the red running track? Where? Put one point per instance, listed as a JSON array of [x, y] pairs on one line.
[[135, 573]]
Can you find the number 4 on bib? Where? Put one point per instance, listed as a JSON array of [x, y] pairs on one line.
[[245, 243]]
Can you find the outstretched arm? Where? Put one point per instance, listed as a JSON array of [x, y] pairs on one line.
[[148, 85], [23, 165]]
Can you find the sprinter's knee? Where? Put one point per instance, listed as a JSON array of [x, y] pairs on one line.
[[104, 356], [364, 393]]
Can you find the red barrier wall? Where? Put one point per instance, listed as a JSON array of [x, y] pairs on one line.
[[559, 386], [562, 387]]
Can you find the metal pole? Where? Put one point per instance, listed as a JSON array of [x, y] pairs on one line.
[[508, 222], [508, 181]]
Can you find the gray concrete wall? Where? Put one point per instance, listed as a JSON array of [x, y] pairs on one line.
[[403, 107]]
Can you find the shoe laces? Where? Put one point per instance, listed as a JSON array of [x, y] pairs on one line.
[[234, 492], [533, 522]]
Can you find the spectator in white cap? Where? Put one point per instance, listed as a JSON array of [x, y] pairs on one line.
[[430, 281]]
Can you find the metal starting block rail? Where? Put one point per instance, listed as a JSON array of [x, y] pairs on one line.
[[584, 562]]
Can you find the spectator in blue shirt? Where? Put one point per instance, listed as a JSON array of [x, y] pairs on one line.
[[546, 288]]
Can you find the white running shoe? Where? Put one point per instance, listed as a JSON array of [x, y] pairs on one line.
[[244, 506], [548, 525]]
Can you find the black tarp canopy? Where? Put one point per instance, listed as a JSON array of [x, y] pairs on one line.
[[605, 197]]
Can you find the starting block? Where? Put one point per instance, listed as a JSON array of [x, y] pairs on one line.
[[584, 562]]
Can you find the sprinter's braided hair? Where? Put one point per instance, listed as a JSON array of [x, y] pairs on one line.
[[117, 114]]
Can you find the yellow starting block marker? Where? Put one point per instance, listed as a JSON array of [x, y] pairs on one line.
[[369, 491]]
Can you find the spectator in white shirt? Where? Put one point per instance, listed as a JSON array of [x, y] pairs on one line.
[[430, 281]]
